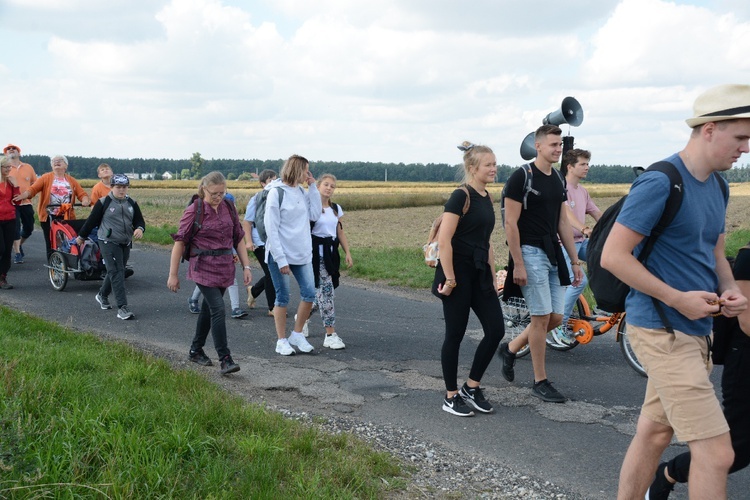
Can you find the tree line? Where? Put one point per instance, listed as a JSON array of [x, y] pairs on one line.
[[195, 167]]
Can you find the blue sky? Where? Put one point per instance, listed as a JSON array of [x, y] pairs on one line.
[[383, 80]]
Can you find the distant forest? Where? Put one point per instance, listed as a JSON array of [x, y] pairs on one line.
[[193, 168]]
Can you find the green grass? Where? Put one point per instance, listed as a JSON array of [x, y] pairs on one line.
[[736, 240], [84, 418], [395, 267]]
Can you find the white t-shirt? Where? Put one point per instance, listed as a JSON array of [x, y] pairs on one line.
[[326, 225]]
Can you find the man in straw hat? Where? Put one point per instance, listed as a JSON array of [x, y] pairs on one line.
[[686, 280]]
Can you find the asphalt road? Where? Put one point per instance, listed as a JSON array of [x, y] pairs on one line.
[[389, 373]]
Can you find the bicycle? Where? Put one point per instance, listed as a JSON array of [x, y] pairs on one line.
[[582, 322]]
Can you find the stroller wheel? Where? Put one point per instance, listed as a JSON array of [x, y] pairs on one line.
[[57, 271]]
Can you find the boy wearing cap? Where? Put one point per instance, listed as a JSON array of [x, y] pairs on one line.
[[24, 175], [688, 278], [120, 221]]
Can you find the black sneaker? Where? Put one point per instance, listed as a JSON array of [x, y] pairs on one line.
[[661, 487], [544, 391], [228, 365], [475, 397], [200, 357], [509, 361], [457, 406]]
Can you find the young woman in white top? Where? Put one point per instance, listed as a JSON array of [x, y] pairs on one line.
[[327, 235], [289, 247]]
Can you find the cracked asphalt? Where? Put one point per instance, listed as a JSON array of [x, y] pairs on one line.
[[389, 373]]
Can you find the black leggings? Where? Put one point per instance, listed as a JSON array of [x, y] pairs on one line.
[[470, 294], [264, 283], [735, 389], [7, 235]]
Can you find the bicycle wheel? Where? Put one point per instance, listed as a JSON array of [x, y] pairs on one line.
[[627, 349], [57, 271], [517, 318]]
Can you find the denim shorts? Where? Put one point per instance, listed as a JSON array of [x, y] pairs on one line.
[[303, 273], [543, 293]]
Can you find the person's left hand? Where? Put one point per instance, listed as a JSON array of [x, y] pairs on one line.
[[247, 276], [138, 234], [733, 303]]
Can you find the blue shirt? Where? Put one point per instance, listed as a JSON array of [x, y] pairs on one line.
[[250, 217], [683, 256]]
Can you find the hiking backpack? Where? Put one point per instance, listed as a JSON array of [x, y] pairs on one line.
[[198, 223], [609, 292], [528, 187]]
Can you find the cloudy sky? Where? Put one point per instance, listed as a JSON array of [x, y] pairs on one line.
[[376, 80]]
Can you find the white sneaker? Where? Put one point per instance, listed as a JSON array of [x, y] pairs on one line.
[[305, 329], [333, 341], [300, 342], [564, 335], [283, 347]]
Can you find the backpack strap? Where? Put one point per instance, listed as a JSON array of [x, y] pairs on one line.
[[528, 183], [671, 207], [467, 203]]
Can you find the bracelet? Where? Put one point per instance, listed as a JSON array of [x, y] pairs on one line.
[[247, 267], [450, 282], [576, 263]]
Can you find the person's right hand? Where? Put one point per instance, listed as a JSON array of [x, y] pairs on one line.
[[173, 283], [519, 275], [696, 304]]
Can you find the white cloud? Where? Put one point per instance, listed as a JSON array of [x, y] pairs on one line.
[[375, 81]]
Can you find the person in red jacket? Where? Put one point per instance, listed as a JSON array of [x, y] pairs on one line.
[[8, 190]]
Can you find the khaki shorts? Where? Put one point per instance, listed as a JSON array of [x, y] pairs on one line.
[[679, 393]]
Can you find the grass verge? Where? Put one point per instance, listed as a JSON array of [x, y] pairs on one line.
[[85, 418]]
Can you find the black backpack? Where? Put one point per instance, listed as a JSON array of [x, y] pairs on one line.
[[610, 292]]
